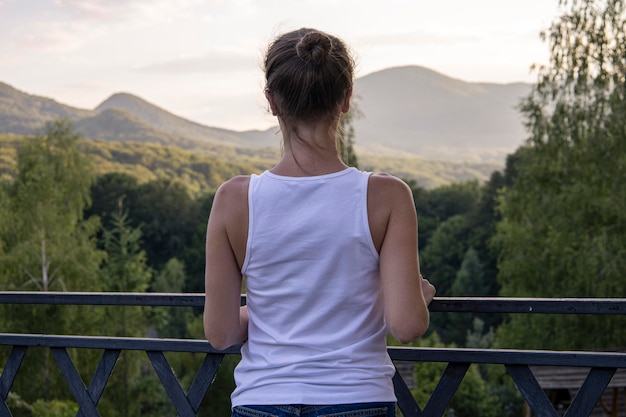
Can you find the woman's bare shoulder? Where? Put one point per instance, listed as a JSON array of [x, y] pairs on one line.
[[235, 187], [232, 195], [382, 184]]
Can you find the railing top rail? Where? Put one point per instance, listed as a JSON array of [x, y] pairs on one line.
[[105, 342], [597, 306], [511, 356], [465, 355]]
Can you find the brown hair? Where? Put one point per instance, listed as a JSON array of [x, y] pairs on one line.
[[308, 72]]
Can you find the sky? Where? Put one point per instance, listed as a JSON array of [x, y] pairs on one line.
[[201, 59]]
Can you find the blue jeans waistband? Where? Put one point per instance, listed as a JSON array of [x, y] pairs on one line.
[[378, 409]]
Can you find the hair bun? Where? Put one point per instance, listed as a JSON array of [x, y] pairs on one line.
[[314, 48]]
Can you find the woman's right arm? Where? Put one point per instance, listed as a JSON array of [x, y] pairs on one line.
[[393, 221], [225, 322]]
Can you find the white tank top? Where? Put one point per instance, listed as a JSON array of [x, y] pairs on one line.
[[317, 333]]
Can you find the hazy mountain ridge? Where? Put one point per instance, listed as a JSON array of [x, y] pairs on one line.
[[411, 109], [22, 113], [410, 115], [166, 121], [428, 114]]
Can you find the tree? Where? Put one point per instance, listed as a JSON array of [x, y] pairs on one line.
[[345, 136], [439, 204], [4, 227], [469, 282], [167, 216], [49, 246], [563, 228], [172, 321], [125, 270], [443, 255], [440, 261], [194, 254], [469, 279], [106, 193]]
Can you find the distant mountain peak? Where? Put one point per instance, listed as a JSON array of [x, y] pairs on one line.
[[126, 101]]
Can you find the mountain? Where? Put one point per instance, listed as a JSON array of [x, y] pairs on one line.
[[422, 112], [122, 117], [116, 125], [25, 114], [408, 112], [180, 127]]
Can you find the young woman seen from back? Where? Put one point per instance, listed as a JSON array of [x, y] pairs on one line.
[[329, 254]]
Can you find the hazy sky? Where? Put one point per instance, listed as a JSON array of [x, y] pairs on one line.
[[200, 59]]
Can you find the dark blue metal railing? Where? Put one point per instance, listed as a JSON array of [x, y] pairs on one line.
[[603, 365]]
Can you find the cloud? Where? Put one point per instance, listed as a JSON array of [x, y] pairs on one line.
[[412, 39], [51, 36], [150, 11], [212, 62]]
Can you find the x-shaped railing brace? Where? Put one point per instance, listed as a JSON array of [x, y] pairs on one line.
[[8, 376], [186, 405], [583, 403], [587, 397], [87, 398], [439, 399]]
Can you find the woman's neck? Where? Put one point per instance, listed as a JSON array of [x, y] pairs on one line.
[[309, 149]]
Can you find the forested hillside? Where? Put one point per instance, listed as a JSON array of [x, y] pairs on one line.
[[204, 171]]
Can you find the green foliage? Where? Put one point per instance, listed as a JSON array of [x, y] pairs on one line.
[[125, 270], [173, 320], [469, 279], [199, 171], [54, 408], [5, 208], [171, 279], [346, 136], [167, 214], [444, 252], [46, 233], [429, 173], [9, 145], [563, 229], [172, 221], [435, 206], [48, 245], [453, 220], [108, 192], [473, 397], [194, 255], [477, 337], [202, 170]]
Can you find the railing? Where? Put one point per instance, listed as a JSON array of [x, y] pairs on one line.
[[603, 365]]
